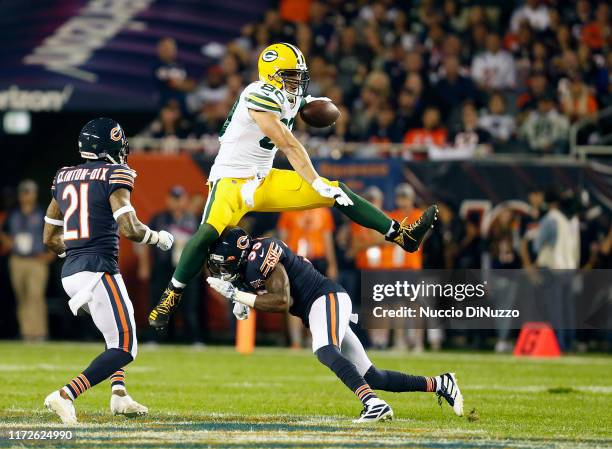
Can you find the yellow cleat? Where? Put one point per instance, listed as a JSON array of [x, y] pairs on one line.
[[410, 235], [160, 315]]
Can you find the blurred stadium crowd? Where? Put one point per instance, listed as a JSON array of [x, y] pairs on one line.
[[579, 238], [476, 77]]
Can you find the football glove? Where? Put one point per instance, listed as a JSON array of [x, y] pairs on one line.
[[241, 311], [224, 288], [165, 240], [329, 191]]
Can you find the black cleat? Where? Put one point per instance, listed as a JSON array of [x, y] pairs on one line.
[[410, 236], [160, 315]]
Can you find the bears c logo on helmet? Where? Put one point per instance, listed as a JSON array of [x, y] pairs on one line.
[[242, 242], [116, 133], [269, 56]]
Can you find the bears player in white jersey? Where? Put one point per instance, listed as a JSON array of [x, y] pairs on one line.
[[90, 207], [272, 278], [242, 178]]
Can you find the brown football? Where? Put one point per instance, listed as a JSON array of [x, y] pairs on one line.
[[320, 113]]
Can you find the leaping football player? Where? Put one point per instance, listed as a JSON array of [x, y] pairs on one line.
[[242, 179], [274, 279], [90, 206]]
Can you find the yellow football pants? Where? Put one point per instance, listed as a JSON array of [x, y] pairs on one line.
[[279, 191]]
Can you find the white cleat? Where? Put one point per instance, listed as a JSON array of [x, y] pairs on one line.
[[64, 408], [375, 410], [125, 405], [449, 390]]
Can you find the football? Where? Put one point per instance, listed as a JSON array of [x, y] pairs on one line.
[[320, 113]]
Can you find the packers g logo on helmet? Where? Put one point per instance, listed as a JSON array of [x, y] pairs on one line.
[[269, 56], [284, 66]]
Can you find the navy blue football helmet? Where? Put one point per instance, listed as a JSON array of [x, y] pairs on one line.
[[229, 253], [104, 138]]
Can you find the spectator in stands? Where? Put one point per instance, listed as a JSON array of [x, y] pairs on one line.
[[22, 234], [596, 33], [494, 69], [533, 12], [470, 136], [537, 87], [432, 132], [454, 88], [155, 266], [384, 128], [409, 110], [577, 102], [309, 234], [497, 121], [169, 124], [171, 76], [545, 130], [469, 250], [212, 90]]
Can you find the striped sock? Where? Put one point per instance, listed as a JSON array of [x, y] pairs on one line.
[[118, 380], [365, 393], [77, 386], [433, 383]]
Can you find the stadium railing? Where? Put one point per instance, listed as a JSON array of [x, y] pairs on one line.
[[602, 122]]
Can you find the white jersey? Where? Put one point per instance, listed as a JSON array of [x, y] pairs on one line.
[[245, 151]]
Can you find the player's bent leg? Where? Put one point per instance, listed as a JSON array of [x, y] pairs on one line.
[[224, 207], [407, 235], [328, 319]]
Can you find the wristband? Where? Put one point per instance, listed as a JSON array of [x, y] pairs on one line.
[[154, 238], [123, 210], [54, 222], [145, 239], [62, 255], [248, 299]]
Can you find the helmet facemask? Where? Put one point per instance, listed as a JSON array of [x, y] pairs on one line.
[[225, 269], [295, 81]]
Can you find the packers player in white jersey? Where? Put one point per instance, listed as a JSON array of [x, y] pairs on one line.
[[242, 179]]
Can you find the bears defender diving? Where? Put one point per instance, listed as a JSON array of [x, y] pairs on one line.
[[90, 206], [242, 179], [271, 278]]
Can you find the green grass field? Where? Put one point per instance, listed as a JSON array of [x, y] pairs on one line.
[[281, 398]]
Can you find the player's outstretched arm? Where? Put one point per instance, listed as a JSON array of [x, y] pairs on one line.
[[53, 232], [276, 299], [131, 227], [285, 141]]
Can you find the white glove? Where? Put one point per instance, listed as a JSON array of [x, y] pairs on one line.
[[248, 190], [310, 98], [165, 240], [225, 288], [241, 311], [329, 191]]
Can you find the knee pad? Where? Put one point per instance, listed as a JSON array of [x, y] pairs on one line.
[[376, 378], [328, 354]]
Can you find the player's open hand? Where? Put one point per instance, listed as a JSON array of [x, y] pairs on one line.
[[165, 240], [329, 191], [241, 311], [224, 288]]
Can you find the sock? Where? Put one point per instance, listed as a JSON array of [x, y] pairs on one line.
[[399, 382], [176, 284], [364, 213], [331, 357], [77, 386], [118, 380], [393, 229], [194, 254], [99, 369]]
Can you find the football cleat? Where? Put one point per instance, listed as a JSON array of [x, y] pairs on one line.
[[64, 408], [410, 235], [160, 315], [125, 405], [375, 410], [449, 390]]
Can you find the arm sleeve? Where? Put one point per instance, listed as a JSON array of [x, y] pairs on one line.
[[262, 100], [121, 177]]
